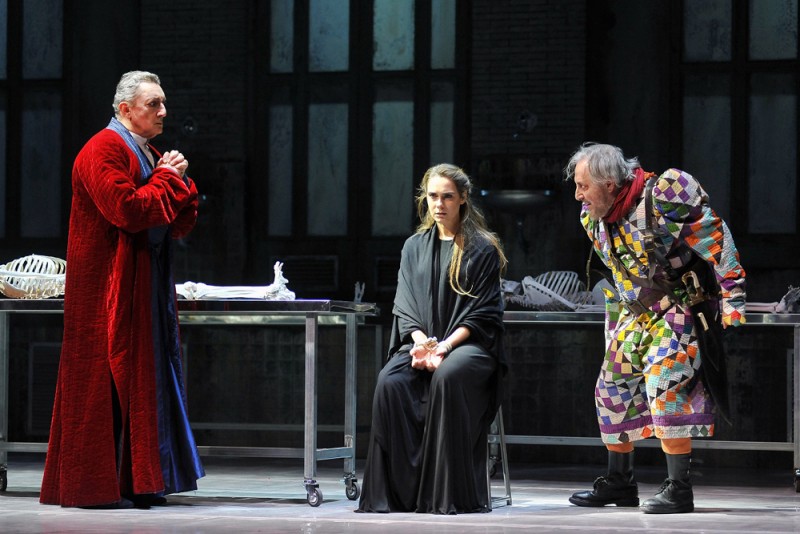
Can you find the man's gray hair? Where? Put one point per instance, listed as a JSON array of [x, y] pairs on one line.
[[604, 162], [129, 84]]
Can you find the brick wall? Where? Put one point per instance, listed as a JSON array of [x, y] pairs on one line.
[[528, 94], [200, 51], [527, 56]]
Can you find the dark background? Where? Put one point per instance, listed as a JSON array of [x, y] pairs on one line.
[[533, 80]]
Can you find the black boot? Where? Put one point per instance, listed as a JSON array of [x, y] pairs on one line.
[[618, 487], [675, 495]]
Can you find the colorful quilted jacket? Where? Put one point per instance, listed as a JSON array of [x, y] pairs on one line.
[[683, 218]]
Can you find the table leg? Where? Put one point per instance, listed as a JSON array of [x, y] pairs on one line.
[[310, 442], [796, 407], [350, 376], [4, 347]]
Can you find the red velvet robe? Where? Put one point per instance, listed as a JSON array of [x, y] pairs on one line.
[[107, 325]]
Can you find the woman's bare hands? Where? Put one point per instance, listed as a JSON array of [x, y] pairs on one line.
[[429, 355], [422, 352], [419, 357], [433, 362]]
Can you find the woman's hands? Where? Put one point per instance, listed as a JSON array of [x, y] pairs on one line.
[[429, 354]]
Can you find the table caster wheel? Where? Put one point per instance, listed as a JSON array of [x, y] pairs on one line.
[[352, 490], [314, 497]]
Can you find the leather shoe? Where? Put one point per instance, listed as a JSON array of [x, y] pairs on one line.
[[146, 500], [607, 491], [122, 504], [674, 497]]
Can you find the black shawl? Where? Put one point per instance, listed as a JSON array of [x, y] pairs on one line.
[[414, 306]]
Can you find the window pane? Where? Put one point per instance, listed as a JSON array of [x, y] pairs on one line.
[[707, 30], [707, 130], [443, 34], [393, 30], [41, 165], [328, 34], [42, 38], [3, 39], [392, 157], [772, 169], [442, 131], [280, 167], [773, 29], [327, 169], [2, 165], [281, 36]]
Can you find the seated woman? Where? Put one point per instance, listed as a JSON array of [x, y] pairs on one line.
[[440, 389]]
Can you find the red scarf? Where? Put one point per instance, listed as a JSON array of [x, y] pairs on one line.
[[627, 196]]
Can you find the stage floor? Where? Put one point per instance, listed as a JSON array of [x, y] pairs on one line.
[[267, 495]]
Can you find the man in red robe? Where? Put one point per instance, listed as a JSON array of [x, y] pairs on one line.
[[120, 434]]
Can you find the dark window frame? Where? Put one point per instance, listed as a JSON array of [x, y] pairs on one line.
[[358, 249], [758, 249], [15, 87]]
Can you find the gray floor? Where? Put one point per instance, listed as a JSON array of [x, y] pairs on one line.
[[261, 495]]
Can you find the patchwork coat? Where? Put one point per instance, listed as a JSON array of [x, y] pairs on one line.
[[649, 383]]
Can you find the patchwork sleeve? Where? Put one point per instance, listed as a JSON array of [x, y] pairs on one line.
[[596, 234], [613, 307], [682, 205]]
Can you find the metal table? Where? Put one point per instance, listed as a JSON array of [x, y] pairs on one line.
[[237, 312], [753, 319]]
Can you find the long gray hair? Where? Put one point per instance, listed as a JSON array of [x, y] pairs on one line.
[[129, 84], [606, 163]]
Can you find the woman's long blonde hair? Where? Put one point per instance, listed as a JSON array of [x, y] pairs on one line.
[[472, 221]]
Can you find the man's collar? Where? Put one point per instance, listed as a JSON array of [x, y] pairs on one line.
[[141, 141]]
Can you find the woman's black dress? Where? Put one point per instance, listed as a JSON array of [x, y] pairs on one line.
[[427, 449]]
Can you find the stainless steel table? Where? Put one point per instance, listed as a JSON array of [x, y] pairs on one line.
[[753, 319], [312, 313]]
